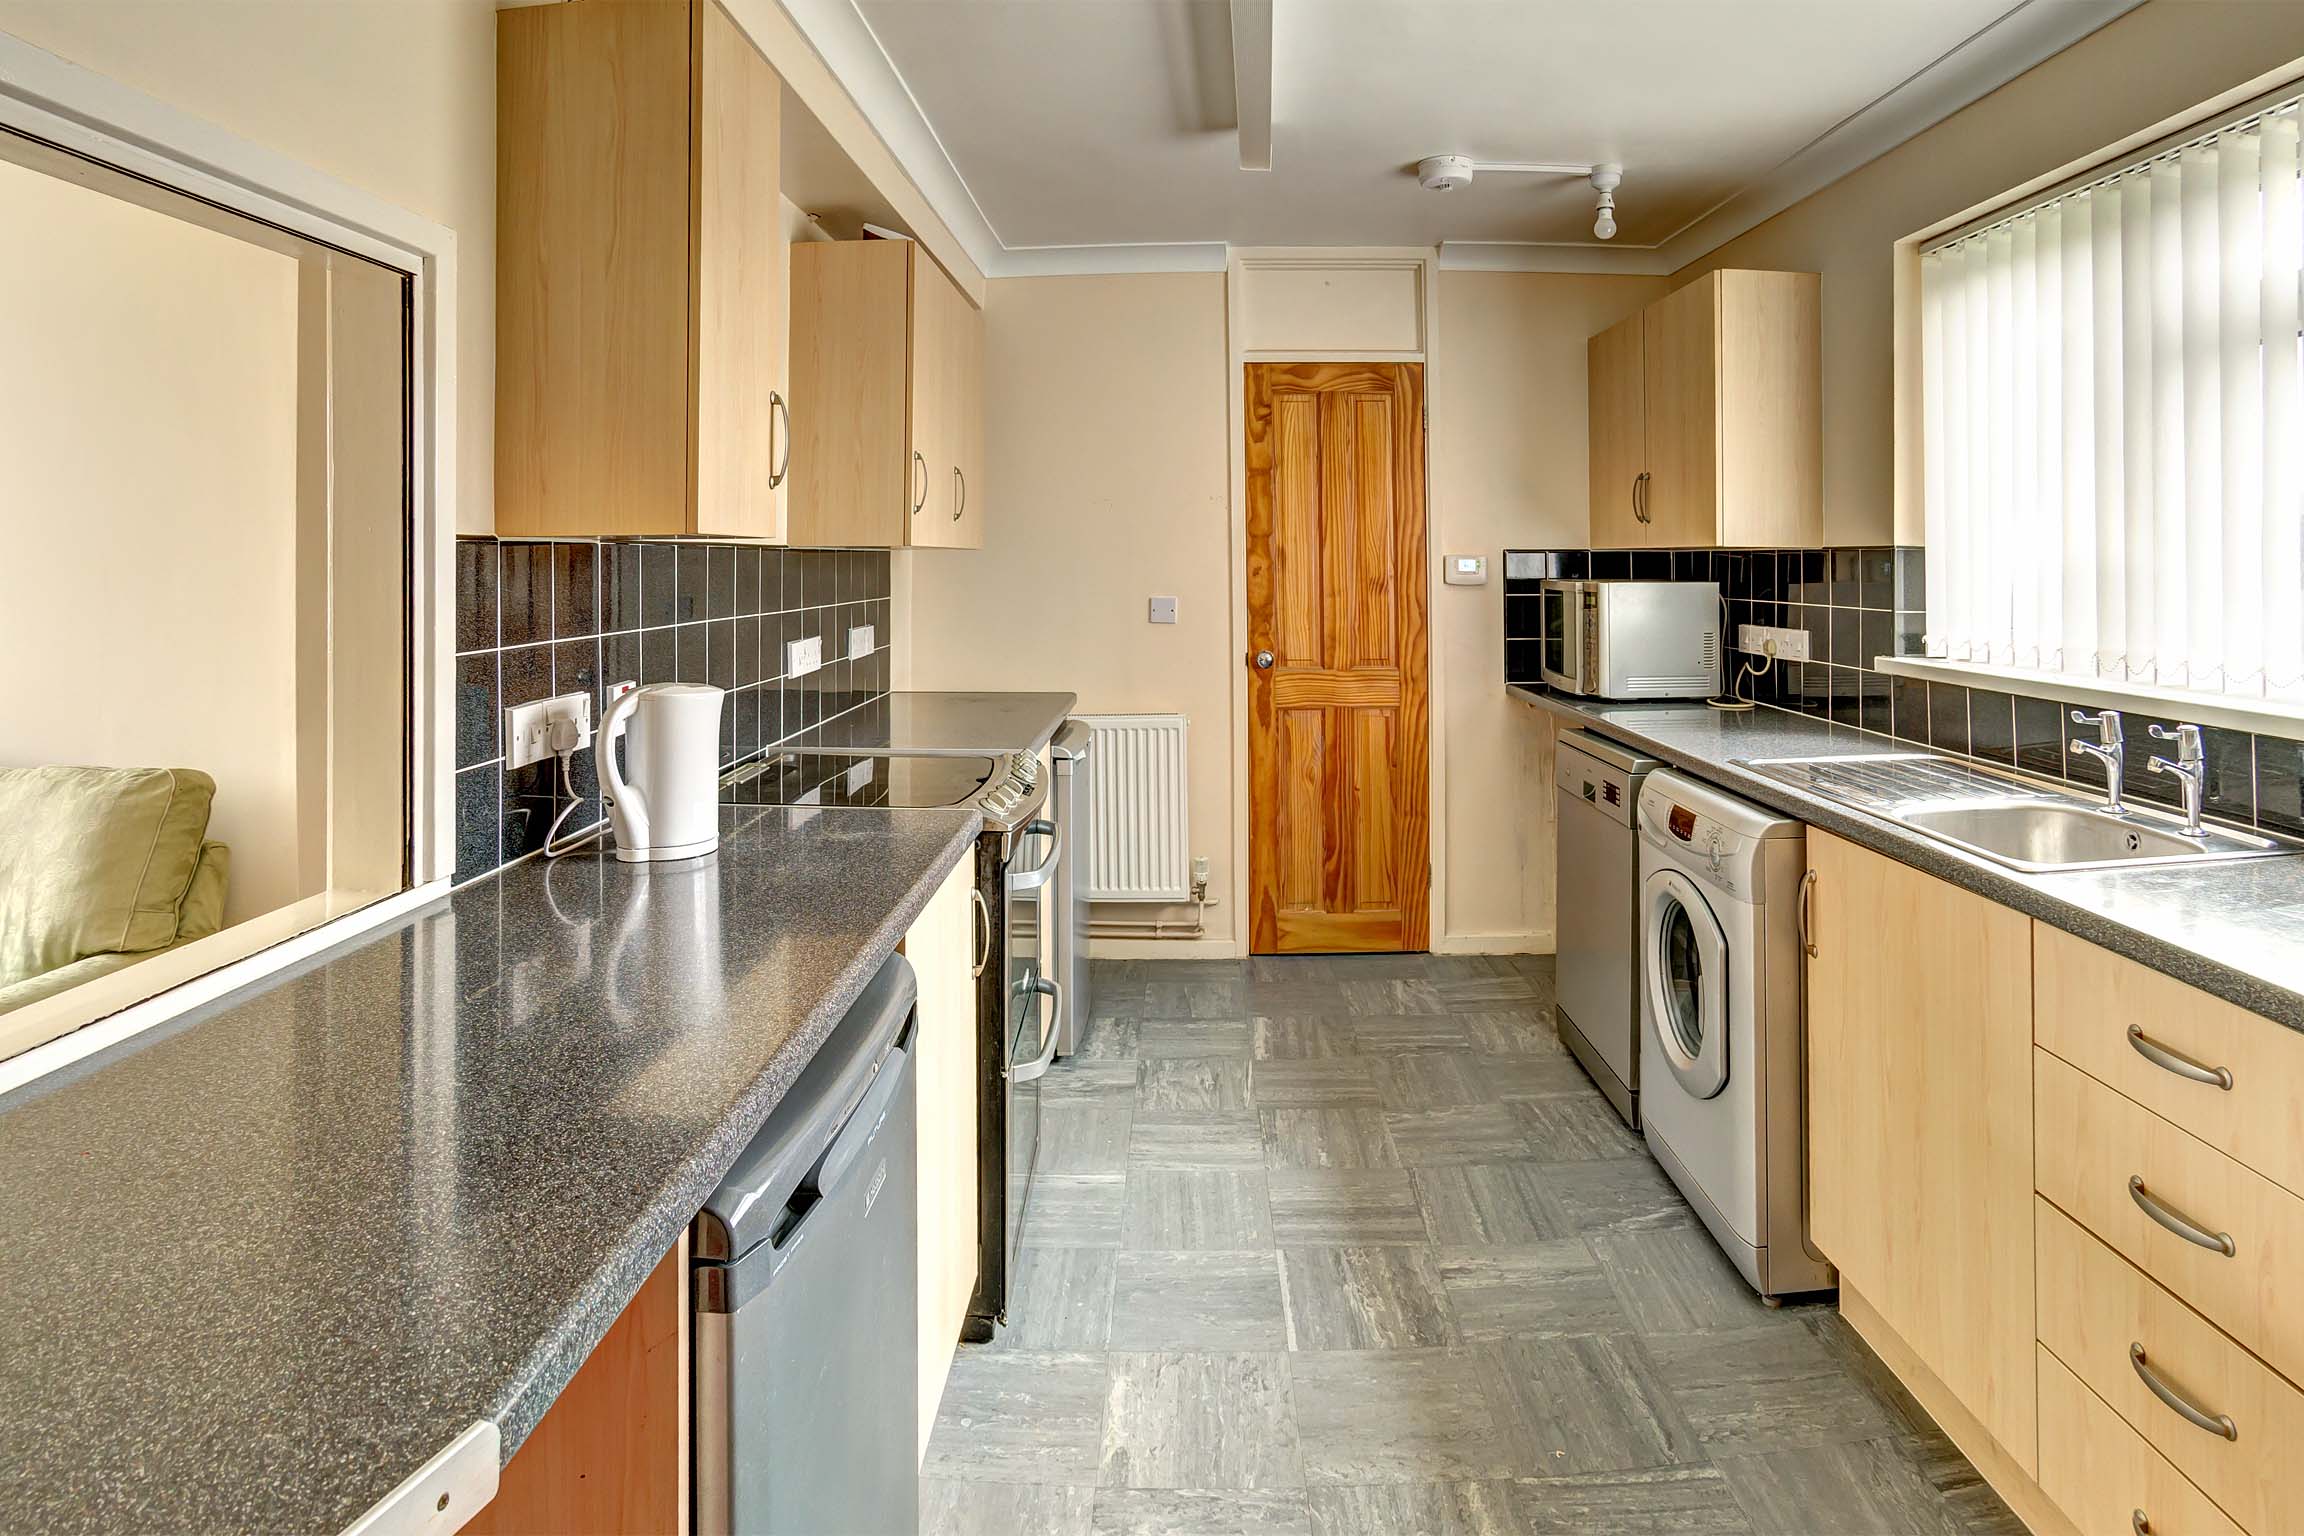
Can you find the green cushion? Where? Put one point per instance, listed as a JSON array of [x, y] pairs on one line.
[[63, 979], [203, 910], [95, 861]]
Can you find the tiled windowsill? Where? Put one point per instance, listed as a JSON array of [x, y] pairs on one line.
[[2259, 717]]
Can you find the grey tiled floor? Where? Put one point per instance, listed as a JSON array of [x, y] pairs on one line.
[[1351, 1247]]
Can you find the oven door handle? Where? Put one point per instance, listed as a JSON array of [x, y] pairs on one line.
[[1044, 871], [1038, 1066]]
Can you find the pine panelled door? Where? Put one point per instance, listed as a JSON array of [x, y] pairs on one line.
[[1339, 853]]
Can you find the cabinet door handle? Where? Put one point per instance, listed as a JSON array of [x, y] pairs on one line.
[[1807, 923], [2169, 1059], [920, 468], [2214, 1423], [980, 930], [960, 505], [779, 417], [2138, 1524], [1640, 497], [2176, 1221]]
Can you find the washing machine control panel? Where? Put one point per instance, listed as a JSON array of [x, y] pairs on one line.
[[1710, 847]]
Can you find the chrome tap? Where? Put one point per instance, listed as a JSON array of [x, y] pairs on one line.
[[2190, 768], [2111, 747]]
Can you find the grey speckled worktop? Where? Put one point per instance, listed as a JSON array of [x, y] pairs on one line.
[[2236, 930], [943, 722], [262, 1263]]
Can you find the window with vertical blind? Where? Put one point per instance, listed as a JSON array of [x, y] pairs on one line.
[[2114, 423]]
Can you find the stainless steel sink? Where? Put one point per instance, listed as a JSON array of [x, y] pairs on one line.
[[2025, 824]]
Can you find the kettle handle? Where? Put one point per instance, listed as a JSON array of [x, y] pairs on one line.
[[632, 817]]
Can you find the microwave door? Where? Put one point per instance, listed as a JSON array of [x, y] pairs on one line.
[[1555, 632]]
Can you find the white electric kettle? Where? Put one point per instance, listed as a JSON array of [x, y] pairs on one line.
[[669, 807]]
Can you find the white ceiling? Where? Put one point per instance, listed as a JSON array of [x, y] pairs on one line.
[[1064, 125]]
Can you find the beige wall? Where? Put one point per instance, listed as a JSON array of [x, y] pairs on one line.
[[1108, 462], [153, 623], [1107, 477], [1507, 471], [2153, 63], [395, 96]]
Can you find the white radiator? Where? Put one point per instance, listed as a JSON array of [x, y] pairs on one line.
[[1140, 847]]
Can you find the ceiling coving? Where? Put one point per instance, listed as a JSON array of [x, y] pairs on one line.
[[1084, 135]]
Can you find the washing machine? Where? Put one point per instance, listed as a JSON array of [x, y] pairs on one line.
[[1721, 1074]]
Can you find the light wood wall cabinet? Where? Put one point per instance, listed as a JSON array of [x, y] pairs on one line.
[[641, 273], [941, 946], [887, 421], [1920, 1121], [1706, 418]]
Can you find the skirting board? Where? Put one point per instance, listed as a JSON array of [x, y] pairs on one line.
[[2016, 1489], [1164, 949], [1445, 944], [1533, 942]]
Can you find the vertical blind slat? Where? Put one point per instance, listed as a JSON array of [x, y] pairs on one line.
[[2113, 398]]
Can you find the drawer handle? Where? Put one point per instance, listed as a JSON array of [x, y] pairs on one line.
[[2176, 1221], [2177, 1062], [2138, 1524], [2214, 1423]]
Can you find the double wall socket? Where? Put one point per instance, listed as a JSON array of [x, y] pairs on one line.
[[802, 657], [860, 640], [533, 732], [1789, 644]]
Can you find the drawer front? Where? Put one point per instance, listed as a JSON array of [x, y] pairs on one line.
[[2087, 1000], [2097, 1309], [2090, 1143], [2103, 1475]]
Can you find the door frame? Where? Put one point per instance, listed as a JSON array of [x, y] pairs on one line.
[[1424, 261]]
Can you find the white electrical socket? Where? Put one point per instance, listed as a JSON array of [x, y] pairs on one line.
[[860, 777], [802, 657], [528, 728], [1791, 644], [860, 640]]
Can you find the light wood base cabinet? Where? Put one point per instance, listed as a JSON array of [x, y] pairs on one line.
[[1707, 417], [2103, 1475], [640, 275], [1920, 1121], [888, 423], [941, 946]]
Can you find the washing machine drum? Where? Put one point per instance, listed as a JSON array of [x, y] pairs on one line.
[[1684, 967]]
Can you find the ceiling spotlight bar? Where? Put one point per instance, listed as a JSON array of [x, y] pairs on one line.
[[1445, 173]]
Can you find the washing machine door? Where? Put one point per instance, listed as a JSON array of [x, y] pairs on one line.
[[1684, 971]]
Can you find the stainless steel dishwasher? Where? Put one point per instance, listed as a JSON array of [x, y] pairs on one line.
[[806, 1286], [1596, 894], [1074, 810]]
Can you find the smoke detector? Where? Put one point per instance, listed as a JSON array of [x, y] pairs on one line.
[[1444, 173]]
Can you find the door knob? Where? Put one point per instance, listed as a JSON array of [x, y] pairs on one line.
[[1263, 661]]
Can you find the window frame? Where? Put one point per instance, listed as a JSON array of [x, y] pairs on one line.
[[47, 98], [2246, 100]]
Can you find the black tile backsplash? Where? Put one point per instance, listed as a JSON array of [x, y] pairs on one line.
[[538, 617], [1859, 604]]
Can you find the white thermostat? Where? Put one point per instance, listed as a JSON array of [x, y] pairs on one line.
[[1466, 571]]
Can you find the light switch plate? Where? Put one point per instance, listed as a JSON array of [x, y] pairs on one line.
[[860, 640], [1791, 644], [528, 727], [860, 776], [1465, 571], [1161, 610], [802, 657]]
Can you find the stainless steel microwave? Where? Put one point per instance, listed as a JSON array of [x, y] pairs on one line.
[[1632, 639]]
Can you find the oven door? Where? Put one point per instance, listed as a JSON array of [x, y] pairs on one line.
[[1561, 651], [1034, 1003]]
